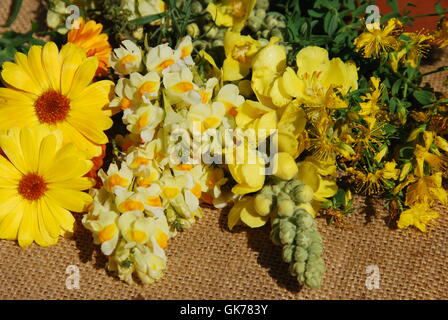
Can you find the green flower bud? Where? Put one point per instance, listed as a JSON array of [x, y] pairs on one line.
[[300, 254], [299, 267], [196, 7], [302, 194], [260, 14], [276, 32], [305, 221], [218, 43], [285, 208], [288, 252], [138, 34], [211, 31], [193, 30], [254, 23], [303, 240], [262, 4]]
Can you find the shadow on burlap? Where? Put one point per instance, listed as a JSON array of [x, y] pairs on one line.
[[209, 262]]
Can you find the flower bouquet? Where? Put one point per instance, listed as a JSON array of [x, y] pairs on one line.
[[138, 113]]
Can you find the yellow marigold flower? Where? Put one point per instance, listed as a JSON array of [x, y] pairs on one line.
[[40, 184], [239, 51], [376, 41], [89, 38], [419, 215], [53, 89], [231, 13]]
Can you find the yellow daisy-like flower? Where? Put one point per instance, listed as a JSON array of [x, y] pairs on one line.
[[377, 41], [53, 89], [40, 184]]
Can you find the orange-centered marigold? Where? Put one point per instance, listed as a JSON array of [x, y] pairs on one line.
[[32, 187], [52, 107]]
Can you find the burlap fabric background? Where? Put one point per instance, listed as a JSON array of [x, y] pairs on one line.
[[209, 262]]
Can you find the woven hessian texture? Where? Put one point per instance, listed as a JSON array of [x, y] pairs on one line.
[[209, 262]]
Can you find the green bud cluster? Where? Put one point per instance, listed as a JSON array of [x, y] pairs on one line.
[[294, 229]]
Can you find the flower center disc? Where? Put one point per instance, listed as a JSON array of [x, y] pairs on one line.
[[32, 186], [52, 107]]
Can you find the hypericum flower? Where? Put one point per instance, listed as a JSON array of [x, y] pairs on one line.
[[371, 106], [317, 76], [374, 183], [41, 182], [53, 89], [239, 51], [419, 46], [422, 155], [441, 35], [376, 41], [427, 190], [89, 38], [231, 13], [127, 58], [419, 215]]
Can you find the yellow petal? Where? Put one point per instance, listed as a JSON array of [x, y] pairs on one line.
[[52, 65], [250, 217], [9, 225], [72, 200], [28, 224]]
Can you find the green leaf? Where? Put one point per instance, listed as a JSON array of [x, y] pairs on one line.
[[424, 97], [17, 5], [396, 87], [148, 19]]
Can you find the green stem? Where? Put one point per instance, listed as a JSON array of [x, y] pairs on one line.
[[428, 15], [445, 68]]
